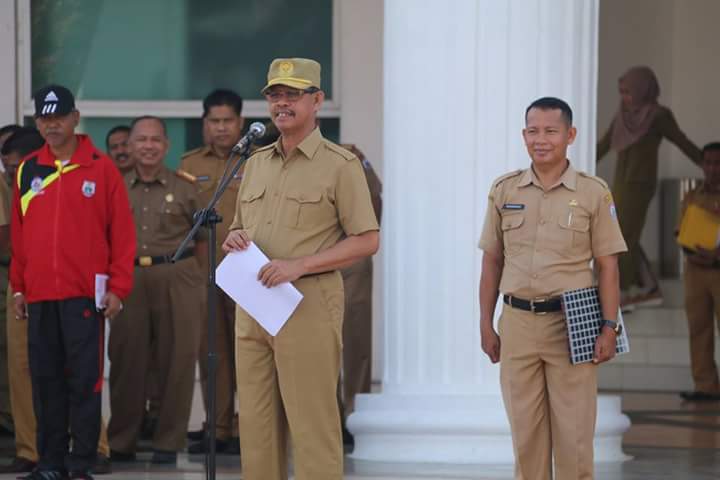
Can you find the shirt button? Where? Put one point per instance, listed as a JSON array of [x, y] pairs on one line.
[[269, 222], [147, 189], [544, 195], [542, 221], [145, 209], [535, 276], [144, 247], [144, 227]]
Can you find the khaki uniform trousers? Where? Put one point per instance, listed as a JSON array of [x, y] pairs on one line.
[[167, 301], [551, 404], [225, 419], [6, 420], [632, 201], [290, 381], [21, 389], [702, 303], [357, 334]]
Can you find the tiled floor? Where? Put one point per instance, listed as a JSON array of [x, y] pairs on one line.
[[669, 439]]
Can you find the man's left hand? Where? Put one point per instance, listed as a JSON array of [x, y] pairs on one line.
[[112, 304], [281, 271], [605, 345]]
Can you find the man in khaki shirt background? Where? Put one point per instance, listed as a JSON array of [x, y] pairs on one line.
[[222, 124], [543, 227], [167, 303], [304, 202]]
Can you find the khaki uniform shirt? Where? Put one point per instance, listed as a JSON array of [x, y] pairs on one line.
[[163, 211], [206, 168], [547, 238], [305, 203]]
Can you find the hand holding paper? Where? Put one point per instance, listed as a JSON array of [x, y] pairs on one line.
[[237, 275]]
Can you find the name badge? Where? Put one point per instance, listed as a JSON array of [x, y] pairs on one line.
[[203, 178], [513, 206]]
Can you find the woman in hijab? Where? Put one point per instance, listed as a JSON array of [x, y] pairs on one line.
[[635, 135]]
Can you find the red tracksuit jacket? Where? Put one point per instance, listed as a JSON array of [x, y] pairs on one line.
[[69, 224]]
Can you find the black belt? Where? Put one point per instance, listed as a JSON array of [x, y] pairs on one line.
[[547, 305], [149, 261]]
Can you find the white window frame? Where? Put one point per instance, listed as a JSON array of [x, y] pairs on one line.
[[188, 109]]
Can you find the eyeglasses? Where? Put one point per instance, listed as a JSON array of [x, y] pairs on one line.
[[292, 96]]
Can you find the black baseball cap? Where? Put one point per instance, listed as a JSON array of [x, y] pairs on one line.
[[53, 100]]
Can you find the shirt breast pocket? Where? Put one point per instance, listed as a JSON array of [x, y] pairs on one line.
[[172, 218], [303, 210], [575, 231], [511, 224], [251, 201]]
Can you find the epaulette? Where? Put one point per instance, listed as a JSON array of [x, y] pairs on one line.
[[346, 154], [502, 178], [599, 180], [188, 177], [191, 152]]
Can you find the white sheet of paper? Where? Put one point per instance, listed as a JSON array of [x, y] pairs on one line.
[[271, 307], [101, 280]]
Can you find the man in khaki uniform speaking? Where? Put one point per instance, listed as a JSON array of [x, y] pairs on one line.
[[304, 202], [223, 123], [543, 227], [167, 303]]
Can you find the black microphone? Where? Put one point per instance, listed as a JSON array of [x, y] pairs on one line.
[[256, 130]]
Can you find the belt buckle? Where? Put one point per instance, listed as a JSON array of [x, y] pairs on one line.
[[539, 300], [145, 261]]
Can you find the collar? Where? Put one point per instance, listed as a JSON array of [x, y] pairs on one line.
[[568, 178], [307, 147], [161, 177], [85, 153]]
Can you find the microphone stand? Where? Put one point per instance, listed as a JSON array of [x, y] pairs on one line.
[[209, 219]]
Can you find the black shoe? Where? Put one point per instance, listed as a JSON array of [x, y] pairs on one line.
[[18, 465], [80, 476], [199, 447], [122, 457], [233, 446], [103, 466], [44, 475], [164, 457], [698, 396], [196, 435], [348, 439]]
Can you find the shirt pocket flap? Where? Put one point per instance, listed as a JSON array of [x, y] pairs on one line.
[[511, 222], [305, 197], [577, 221], [252, 194]]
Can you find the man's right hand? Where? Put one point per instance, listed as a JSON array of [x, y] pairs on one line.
[[20, 306], [237, 240], [490, 343]]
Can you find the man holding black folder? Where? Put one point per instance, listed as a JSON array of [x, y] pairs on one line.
[[544, 225]]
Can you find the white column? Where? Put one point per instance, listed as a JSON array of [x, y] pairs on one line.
[[458, 77], [8, 72]]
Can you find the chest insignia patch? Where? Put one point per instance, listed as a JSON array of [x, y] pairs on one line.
[[88, 188], [573, 203], [36, 185]]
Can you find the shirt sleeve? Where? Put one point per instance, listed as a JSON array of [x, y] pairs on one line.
[[491, 239], [606, 237], [352, 200], [671, 130], [4, 203], [17, 265], [121, 236]]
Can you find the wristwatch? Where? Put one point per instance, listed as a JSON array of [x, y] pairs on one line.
[[617, 328]]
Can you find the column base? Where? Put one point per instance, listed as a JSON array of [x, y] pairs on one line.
[[457, 429]]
